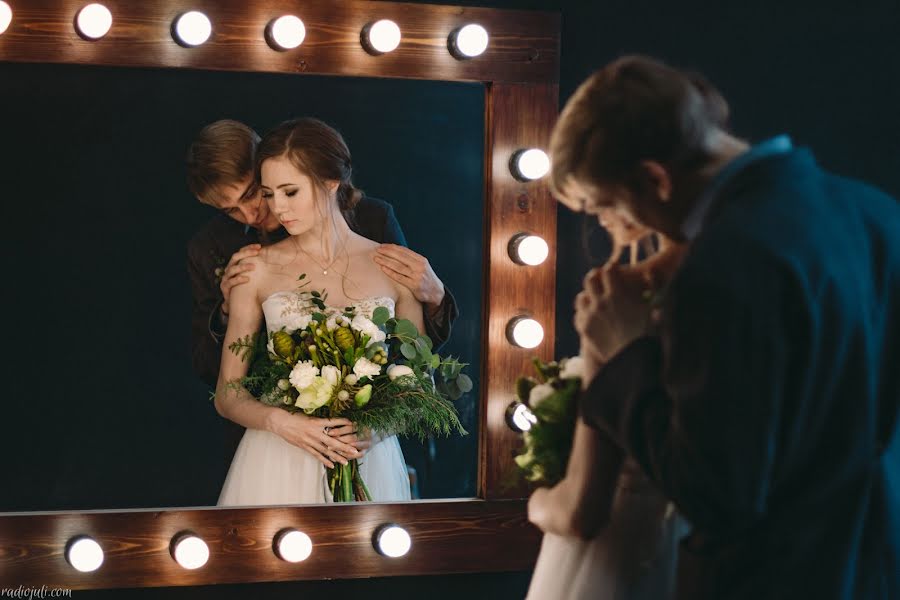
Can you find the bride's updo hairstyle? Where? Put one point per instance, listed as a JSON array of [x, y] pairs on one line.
[[318, 151], [632, 110]]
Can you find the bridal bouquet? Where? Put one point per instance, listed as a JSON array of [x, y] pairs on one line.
[[551, 398], [372, 369]]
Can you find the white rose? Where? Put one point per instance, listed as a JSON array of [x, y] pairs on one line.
[[303, 374], [332, 323], [395, 371], [365, 368], [331, 374], [361, 323], [572, 368], [539, 393]]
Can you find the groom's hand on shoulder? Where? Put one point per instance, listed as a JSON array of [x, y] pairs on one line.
[[411, 270], [236, 272]]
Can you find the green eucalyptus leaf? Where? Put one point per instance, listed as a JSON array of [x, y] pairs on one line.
[[435, 361], [381, 316], [406, 328], [465, 383], [408, 350]]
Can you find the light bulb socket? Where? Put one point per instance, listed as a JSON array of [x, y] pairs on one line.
[[513, 247], [510, 415], [514, 166], [270, 37], [279, 537], [453, 45], [81, 33], [510, 327], [366, 43], [68, 552], [173, 31], [376, 539], [180, 537]]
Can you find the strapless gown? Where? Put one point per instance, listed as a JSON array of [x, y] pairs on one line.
[[633, 558], [267, 470]]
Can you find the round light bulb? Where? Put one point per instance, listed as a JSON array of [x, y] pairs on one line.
[[286, 33], [94, 21], [382, 36], [190, 552], [193, 28], [393, 541], [85, 554], [531, 164], [470, 41], [520, 417], [529, 250], [293, 546], [526, 333], [5, 16]]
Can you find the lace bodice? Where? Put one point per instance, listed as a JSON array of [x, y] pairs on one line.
[[292, 310]]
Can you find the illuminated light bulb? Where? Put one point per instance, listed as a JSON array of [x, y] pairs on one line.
[[190, 551], [392, 541], [529, 250], [381, 37], [530, 164], [519, 417], [94, 21], [468, 42], [292, 545], [5, 16], [192, 28], [84, 554], [286, 33], [525, 332]]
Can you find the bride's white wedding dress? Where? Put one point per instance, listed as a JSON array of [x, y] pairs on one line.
[[267, 470], [633, 558]]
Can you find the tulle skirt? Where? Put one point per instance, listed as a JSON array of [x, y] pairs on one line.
[[267, 470], [633, 558]]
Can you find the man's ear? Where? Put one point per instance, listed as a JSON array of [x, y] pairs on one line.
[[656, 177]]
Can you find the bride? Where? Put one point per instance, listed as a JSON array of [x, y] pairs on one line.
[[608, 533], [305, 171]]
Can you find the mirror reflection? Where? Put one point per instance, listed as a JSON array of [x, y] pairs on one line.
[[109, 384]]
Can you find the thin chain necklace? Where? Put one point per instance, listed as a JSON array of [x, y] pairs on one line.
[[324, 268]]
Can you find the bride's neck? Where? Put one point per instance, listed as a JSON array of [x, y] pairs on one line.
[[327, 238]]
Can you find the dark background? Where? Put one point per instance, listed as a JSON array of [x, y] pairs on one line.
[[107, 412], [824, 72]]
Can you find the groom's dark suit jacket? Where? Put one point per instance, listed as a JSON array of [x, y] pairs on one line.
[[767, 407], [222, 236]]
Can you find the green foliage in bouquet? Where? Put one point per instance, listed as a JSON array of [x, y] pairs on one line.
[[551, 397]]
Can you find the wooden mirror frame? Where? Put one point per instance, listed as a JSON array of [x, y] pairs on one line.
[[489, 533]]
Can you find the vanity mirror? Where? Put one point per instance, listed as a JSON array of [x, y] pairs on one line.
[[94, 162]]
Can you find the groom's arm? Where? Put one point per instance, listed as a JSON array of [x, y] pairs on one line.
[[377, 221], [207, 326], [699, 405]]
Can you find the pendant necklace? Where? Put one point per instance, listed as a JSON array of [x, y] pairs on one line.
[[326, 267]]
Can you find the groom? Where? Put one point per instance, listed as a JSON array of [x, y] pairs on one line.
[[220, 173], [766, 403]]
